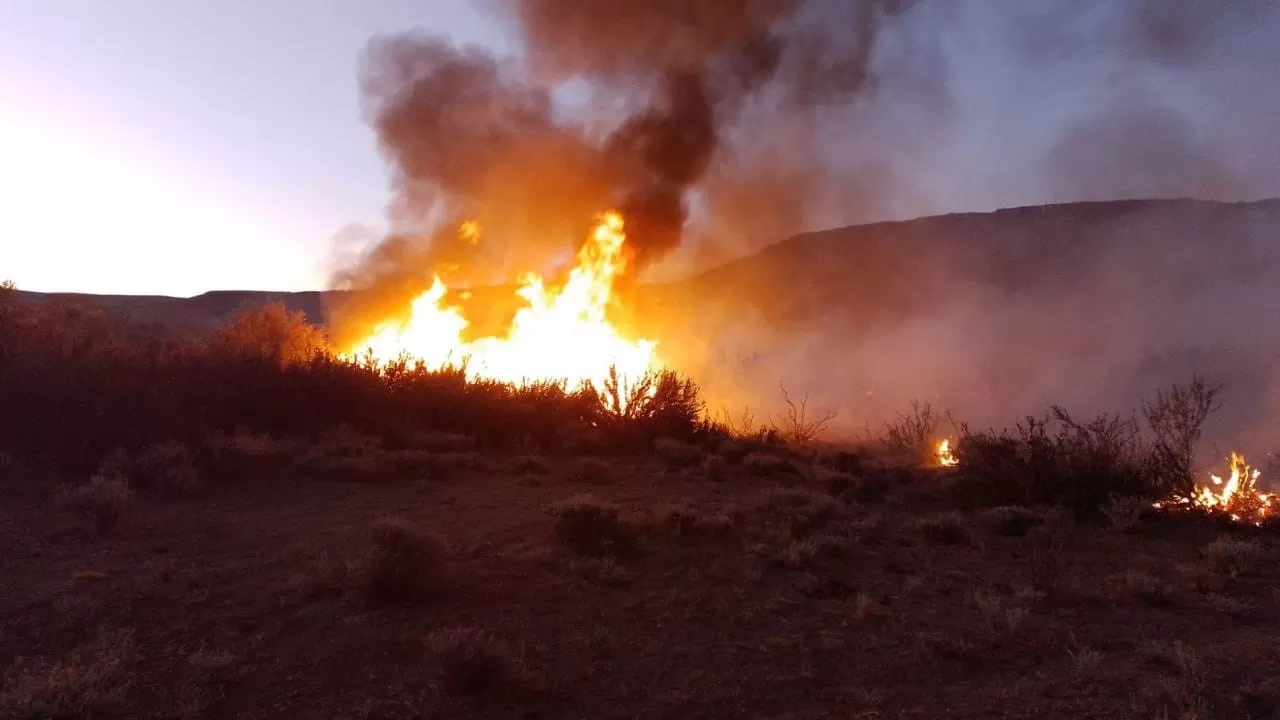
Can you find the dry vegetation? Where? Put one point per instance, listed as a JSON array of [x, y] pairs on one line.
[[250, 528]]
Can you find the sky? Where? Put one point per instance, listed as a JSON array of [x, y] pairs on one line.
[[180, 146]]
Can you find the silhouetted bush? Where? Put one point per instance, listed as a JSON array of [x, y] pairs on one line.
[[1086, 466], [75, 387]]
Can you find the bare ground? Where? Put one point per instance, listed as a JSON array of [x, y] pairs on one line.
[[756, 596]]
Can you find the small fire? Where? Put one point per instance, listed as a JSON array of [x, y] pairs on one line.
[[945, 457], [1237, 497], [561, 335]]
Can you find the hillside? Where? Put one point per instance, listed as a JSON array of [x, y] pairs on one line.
[[992, 314]]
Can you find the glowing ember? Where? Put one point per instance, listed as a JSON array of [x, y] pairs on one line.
[[1237, 497], [562, 334], [945, 457]]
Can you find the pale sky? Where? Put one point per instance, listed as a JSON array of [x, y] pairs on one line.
[[178, 146]]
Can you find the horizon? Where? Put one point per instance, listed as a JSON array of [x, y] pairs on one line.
[[174, 151], [698, 271]]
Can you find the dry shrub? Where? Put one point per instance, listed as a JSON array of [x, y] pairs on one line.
[[1176, 419], [659, 404], [230, 457], [1232, 556], [602, 569], [914, 433], [104, 501], [799, 510], [798, 426], [166, 468], [715, 468], [766, 464], [589, 526], [843, 461], [677, 454], [874, 487], [92, 681], [1083, 466], [406, 563], [440, 442], [1145, 586], [950, 528], [470, 661], [736, 450], [1079, 466], [687, 519], [342, 455], [529, 465], [591, 471], [1003, 613], [1011, 520], [1125, 513]]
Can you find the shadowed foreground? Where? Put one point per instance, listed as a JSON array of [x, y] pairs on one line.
[[766, 587]]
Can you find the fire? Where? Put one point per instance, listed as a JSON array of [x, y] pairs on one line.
[[1237, 497], [562, 334], [945, 457]]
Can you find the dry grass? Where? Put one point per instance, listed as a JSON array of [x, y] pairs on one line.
[[103, 501], [94, 680], [468, 661], [406, 564]]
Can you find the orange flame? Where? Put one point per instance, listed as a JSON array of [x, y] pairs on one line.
[[1237, 497], [945, 457], [562, 335]]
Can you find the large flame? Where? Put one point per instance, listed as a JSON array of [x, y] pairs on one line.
[[561, 335], [1237, 497]]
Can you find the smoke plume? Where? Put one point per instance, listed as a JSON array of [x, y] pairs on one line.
[[670, 84]]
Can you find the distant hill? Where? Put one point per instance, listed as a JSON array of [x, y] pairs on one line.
[[993, 314]]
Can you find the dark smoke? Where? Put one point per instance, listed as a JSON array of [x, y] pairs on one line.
[[470, 136]]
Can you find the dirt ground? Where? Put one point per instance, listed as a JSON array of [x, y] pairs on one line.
[[754, 594]]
